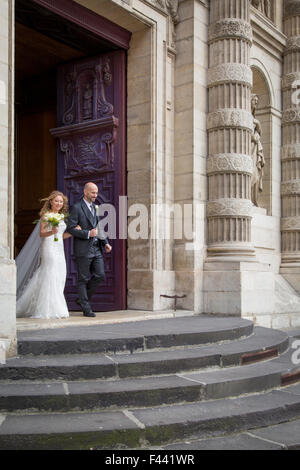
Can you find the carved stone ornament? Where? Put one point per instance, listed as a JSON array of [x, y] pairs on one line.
[[289, 80], [291, 8], [230, 207], [170, 6], [230, 28], [290, 152], [290, 188], [231, 72], [290, 223], [230, 117], [229, 162], [293, 44], [265, 6], [291, 115]]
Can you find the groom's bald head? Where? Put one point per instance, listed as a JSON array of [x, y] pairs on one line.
[[90, 192], [88, 186]]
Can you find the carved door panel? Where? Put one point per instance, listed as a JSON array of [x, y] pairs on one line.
[[91, 147]]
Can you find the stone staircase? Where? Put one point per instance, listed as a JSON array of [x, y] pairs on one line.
[[146, 383]]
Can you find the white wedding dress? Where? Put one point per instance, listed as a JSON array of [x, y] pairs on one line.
[[43, 296]]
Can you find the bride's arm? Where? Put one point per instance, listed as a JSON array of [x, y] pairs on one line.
[[45, 232], [68, 235]]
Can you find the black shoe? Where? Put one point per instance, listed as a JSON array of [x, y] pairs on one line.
[[89, 314]]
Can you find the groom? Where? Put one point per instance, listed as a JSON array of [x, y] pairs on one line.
[[87, 247]]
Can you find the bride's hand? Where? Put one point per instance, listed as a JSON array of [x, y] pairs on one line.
[[54, 230], [78, 227]]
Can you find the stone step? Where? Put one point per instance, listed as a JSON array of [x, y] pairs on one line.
[[136, 428], [293, 332], [133, 336], [146, 391], [284, 436], [264, 343]]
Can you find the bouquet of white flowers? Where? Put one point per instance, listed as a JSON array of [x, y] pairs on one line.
[[53, 219]]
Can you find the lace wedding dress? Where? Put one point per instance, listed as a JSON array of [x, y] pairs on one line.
[[43, 296]]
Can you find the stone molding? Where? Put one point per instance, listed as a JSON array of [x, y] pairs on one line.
[[230, 117], [230, 28], [290, 152], [290, 223], [289, 188], [292, 44], [229, 162], [230, 207], [230, 72], [291, 115]]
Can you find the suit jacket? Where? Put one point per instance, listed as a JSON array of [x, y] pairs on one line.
[[81, 215]]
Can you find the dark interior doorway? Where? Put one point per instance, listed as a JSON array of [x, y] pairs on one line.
[[44, 41]]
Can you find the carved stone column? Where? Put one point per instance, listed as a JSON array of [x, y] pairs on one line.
[[290, 186], [229, 130], [234, 282]]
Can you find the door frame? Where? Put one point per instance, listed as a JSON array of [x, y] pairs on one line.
[[120, 37], [88, 20]]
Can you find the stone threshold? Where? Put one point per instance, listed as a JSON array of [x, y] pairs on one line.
[[102, 318]]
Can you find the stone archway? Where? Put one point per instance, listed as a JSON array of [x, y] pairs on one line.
[[262, 89]]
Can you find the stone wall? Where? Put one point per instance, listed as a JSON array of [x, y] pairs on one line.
[[190, 180], [150, 143], [7, 265]]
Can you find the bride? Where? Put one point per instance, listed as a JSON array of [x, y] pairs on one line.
[[43, 294]]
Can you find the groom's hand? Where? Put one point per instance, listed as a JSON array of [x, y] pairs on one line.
[[93, 232], [108, 248]]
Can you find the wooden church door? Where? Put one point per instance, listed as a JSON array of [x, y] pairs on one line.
[[91, 147]]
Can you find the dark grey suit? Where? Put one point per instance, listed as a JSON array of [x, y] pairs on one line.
[[87, 251]]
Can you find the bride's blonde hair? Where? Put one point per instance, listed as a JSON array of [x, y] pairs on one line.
[[47, 203]]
